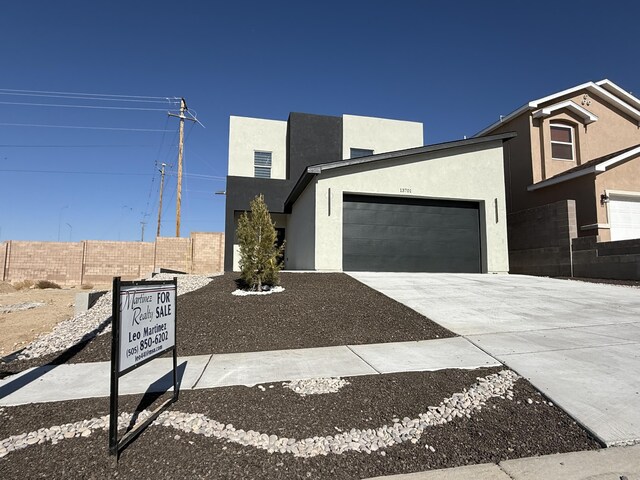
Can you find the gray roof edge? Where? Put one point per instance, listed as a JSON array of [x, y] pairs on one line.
[[314, 170], [411, 151]]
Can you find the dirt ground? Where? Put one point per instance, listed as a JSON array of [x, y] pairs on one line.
[[19, 328]]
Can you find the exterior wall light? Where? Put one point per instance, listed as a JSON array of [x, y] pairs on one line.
[[604, 199]]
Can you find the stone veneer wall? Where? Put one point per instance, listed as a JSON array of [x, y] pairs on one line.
[[75, 263], [540, 239]]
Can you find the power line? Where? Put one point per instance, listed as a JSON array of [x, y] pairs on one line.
[[12, 94], [88, 94], [74, 146], [83, 127], [79, 172], [96, 107], [200, 175], [70, 172]]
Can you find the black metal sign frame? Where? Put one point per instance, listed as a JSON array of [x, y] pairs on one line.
[[115, 445]]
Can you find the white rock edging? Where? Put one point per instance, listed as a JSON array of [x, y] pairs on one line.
[[244, 293], [316, 386], [95, 321], [458, 405]]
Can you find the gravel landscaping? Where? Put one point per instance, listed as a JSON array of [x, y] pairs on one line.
[[512, 420], [314, 310]]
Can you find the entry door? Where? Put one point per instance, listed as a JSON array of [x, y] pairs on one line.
[[393, 234]]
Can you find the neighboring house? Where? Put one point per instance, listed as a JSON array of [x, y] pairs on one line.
[[362, 193], [579, 144]]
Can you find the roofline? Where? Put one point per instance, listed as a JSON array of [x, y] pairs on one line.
[[314, 170], [601, 167], [603, 89], [618, 91], [582, 112]]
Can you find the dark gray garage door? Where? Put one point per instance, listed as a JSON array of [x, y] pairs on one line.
[[386, 234]]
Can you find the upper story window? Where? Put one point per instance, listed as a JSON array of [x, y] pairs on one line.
[[562, 142], [360, 152], [262, 164]]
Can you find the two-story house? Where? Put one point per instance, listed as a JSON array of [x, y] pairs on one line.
[[362, 193], [583, 144]]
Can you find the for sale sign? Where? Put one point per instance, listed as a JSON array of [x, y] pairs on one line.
[[147, 322], [143, 327]]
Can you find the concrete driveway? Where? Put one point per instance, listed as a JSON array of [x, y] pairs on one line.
[[577, 342]]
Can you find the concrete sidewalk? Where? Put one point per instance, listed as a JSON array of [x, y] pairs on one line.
[[89, 380], [577, 342], [609, 464]]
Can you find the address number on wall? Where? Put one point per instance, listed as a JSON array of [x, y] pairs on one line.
[[405, 190]]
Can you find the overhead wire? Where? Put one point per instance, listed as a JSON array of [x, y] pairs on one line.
[[101, 99], [95, 107], [124, 129], [76, 146], [69, 172], [106, 95]]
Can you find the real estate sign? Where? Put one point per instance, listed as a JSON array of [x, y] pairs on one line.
[[147, 322], [143, 327]]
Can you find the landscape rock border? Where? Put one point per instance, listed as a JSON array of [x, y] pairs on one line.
[[463, 404], [95, 321]]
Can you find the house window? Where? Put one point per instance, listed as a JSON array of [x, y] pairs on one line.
[[262, 164], [360, 152], [562, 142]]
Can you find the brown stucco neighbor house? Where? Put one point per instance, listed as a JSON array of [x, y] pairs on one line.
[[583, 144]]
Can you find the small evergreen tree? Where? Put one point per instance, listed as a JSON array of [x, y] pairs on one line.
[[259, 254]]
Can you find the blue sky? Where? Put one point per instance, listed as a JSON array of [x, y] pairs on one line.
[[455, 66]]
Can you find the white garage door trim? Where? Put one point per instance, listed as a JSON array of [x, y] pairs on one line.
[[624, 214]]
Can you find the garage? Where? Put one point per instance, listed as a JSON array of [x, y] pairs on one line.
[[624, 216], [399, 234]]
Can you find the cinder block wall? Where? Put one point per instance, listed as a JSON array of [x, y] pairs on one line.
[[90, 262], [618, 260], [4, 248], [131, 260], [174, 253], [208, 252], [540, 239], [60, 262]]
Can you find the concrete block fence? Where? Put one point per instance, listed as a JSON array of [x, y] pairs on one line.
[[92, 261], [544, 241]]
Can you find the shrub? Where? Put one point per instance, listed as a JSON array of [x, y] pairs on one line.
[[46, 284], [259, 254], [23, 284], [86, 286]]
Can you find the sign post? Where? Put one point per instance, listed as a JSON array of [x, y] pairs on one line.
[[144, 315]]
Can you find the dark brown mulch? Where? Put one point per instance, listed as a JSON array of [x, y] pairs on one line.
[[315, 310], [503, 429]]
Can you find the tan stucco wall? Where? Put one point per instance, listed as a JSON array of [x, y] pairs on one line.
[[467, 173], [379, 134], [301, 230], [246, 135], [517, 161], [528, 156]]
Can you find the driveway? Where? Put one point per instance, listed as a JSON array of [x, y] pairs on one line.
[[577, 342]]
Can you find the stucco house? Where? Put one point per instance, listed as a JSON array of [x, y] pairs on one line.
[[583, 144], [362, 193]]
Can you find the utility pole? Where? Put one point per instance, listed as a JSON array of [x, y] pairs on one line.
[[142, 224], [160, 205], [182, 117]]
